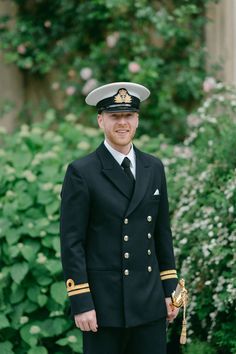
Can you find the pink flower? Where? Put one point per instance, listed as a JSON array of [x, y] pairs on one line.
[[70, 90], [134, 67], [86, 73], [193, 120], [47, 24], [89, 86], [112, 39], [209, 84], [55, 86], [21, 49]]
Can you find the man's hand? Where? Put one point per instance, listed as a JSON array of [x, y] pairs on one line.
[[86, 321], [172, 311]]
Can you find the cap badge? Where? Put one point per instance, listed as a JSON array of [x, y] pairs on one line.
[[123, 97]]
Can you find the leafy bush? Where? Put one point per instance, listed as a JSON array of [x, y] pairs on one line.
[[32, 298], [94, 42]]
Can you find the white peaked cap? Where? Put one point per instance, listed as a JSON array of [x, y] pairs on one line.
[[106, 91]]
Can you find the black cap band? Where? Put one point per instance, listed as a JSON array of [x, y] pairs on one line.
[[122, 101]]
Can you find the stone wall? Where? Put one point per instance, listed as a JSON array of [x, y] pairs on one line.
[[221, 39], [11, 80]]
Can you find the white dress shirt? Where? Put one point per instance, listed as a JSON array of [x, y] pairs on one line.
[[119, 157]]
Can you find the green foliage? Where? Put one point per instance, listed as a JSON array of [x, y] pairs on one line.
[[204, 221], [199, 348], [201, 179], [158, 44], [32, 296]]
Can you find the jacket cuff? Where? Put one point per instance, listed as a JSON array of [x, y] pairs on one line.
[[80, 297], [169, 281]]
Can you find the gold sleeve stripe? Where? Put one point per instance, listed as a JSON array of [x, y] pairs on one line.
[[70, 285], [166, 272], [81, 291], [170, 276], [80, 286]]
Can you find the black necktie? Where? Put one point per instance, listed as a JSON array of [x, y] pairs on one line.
[[126, 166]]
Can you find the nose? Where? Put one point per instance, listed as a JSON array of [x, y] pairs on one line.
[[122, 120]]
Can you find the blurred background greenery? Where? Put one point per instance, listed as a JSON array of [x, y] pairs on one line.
[[63, 49]]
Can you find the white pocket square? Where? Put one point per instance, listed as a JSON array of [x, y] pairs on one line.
[[156, 192]]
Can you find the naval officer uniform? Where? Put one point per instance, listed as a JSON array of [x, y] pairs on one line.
[[116, 241]]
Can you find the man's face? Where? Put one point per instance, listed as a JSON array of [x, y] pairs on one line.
[[119, 128]]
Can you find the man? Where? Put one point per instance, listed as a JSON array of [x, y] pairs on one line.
[[116, 242]]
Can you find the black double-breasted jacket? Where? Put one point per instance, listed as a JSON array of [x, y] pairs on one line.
[[116, 246]]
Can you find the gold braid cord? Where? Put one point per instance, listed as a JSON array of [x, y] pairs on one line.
[[180, 299]]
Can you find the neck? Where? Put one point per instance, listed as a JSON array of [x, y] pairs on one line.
[[122, 149]]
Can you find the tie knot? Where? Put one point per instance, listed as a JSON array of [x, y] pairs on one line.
[[126, 163]]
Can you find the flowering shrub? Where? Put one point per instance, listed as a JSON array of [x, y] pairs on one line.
[[204, 221], [158, 44]]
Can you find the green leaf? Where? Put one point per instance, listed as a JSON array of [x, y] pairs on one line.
[[54, 327], [43, 280], [21, 163], [30, 250], [50, 171], [56, 244], [11, 251], [24, 201], [38, 350], [58, 292], [54, 266], [33, 293], [45, 197], [6, 348], [50, 115], [29, 306], [42, 300], [10, 209], [4, 323], [27, 252], [17, 294], [52, 207], [53, 228], [73, 339], [19, 271], [12, 236], [62, 342], [27, 335]]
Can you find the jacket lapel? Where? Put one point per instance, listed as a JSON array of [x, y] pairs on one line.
[[113, 171], [143, 172]]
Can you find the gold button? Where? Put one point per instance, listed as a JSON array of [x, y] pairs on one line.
[[149, 235], [149, 252], [149, 268], [126, 255], [126, 272], [149, 218], [126, 237], [126, 221]]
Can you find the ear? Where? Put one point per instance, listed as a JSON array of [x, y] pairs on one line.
[[100, 121]]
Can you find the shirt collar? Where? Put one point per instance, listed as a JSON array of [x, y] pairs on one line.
[[119, 157]]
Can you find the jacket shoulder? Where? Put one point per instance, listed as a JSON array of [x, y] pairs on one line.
[[85, 162], [152, 160]]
